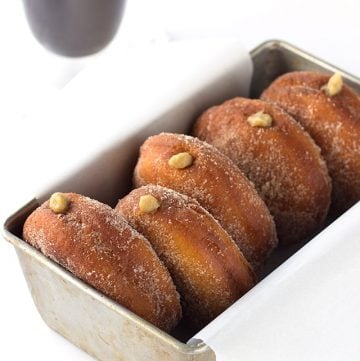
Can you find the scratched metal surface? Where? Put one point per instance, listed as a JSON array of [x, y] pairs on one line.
[[101, 327], [93, 322]]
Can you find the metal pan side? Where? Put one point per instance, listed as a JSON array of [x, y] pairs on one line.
[[90, 320], [276, 57]]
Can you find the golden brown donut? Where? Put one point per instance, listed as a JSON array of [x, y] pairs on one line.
[[332, 121], [278, 156], [207, 267], [96, 244], [216, 183]]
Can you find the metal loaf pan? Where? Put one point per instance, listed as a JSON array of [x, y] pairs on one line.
[[103, 328]]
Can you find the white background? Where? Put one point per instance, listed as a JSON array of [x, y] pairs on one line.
[[30, 77]]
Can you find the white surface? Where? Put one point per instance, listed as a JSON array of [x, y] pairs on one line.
[[30, 77]]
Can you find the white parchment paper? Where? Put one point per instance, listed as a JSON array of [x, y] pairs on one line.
[[307, 309], [94, 128]]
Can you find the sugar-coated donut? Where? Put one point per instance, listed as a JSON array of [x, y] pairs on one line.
[[278, 156], [207, 267], [96, 244], [332, 118], [197, 169]]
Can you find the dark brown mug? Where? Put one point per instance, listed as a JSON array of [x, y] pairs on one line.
[[74, 27]]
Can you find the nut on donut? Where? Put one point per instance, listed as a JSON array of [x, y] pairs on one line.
[[199, 170], [278, 156], [96, 244], [330, 112], [208, 269]]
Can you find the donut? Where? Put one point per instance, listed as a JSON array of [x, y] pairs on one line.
[[278, 156], [207, 267], [95, 243], [330, 111], [197, 169]]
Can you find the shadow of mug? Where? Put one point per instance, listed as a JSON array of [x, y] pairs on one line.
[[74, 27]]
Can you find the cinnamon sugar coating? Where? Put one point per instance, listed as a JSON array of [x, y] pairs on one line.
[[208, 269], [97, 245], [217, 184], [282, 161], [333, 122]]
